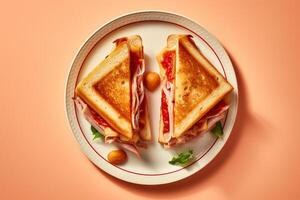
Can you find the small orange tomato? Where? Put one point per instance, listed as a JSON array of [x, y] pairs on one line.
[[117, 157], [151, 80]]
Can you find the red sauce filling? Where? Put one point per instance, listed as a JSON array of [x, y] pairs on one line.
[[134, 62], [167, 63], [99, 119], [165, 113]]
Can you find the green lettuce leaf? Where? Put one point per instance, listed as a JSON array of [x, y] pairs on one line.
[[218, 130], [96, 133], [182, 158]]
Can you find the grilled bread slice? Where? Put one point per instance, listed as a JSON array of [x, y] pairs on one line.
[[199, 85], [107, 88]]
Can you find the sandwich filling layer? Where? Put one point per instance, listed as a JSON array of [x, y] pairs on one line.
[[206, 123], [103, 127], [167, 96], [137, 91]]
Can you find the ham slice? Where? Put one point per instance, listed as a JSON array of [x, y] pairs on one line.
[[88, 115], [127, 146], [205, 124], [110, 136], [131, 148], [137, 93]]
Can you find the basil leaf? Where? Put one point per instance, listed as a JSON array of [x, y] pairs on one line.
[[218, 130], [182, 158], [96, 133]]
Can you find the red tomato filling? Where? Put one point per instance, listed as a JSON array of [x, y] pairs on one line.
[[134, 62], [165, 113], [167, 63]]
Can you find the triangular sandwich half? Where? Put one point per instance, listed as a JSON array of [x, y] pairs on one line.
[[112, 95], [193, 92]]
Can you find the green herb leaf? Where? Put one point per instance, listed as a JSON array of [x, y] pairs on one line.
[[218, 130], [96, 133], [182, 158]]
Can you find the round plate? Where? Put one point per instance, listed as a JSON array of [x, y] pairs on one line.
[[154, 28]]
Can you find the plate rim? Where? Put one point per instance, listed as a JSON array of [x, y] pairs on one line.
[[83, 147]]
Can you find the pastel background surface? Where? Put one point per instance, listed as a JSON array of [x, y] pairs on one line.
[[39, 156]]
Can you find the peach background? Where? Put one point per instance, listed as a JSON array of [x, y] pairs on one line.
[[40, 158]]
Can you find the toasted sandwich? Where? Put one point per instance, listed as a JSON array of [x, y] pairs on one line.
[[193, 92], [112, 96]]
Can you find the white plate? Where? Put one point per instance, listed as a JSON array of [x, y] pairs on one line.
[[153, 27]]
